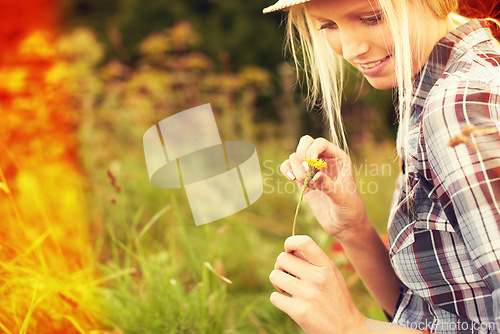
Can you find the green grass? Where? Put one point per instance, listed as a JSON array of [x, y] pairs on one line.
[[168, 282], [172, 286]]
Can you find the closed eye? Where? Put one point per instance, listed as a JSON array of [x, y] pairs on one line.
[[372, 20], [329, 25]]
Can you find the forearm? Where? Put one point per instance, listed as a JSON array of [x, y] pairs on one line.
[[370, 258]]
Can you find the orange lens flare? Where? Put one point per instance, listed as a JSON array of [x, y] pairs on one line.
[[46, 264]]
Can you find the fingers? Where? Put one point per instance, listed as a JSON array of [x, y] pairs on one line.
[[284, 282], [286, 170], [296, 167], [284, 303], [321, 147], [292, 264], [321, 182], [312, 252], [308, 147], [304, 143], [292, 168]]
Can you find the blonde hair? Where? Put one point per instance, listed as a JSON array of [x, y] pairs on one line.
[[397, 13], [323, 69]]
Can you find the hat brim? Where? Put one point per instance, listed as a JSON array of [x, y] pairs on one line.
[[283, 5]]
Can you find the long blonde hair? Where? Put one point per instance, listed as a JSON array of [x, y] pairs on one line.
[[323, 69]]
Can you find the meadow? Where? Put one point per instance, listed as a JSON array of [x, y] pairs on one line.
[[113, 253]]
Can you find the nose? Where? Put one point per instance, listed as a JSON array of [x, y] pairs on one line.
[[354, 44]]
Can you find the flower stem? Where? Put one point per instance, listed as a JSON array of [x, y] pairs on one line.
[[306, 183], [312, 167]]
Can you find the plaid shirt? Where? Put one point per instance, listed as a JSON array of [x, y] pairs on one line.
[[444, 238]]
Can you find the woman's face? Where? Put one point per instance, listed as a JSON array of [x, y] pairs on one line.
[[356, 30]]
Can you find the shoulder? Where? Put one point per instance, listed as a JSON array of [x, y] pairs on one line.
[[459, 102], [469, 84], [463, 98]]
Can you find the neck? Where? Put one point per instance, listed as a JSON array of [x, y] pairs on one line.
[[451, 24]]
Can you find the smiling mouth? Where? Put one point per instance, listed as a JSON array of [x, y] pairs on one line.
[[368, 66]]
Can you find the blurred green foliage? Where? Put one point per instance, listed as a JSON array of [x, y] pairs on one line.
[[237, 28], [231, 35]]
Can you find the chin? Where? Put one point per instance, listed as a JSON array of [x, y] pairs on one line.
[[381, 83]]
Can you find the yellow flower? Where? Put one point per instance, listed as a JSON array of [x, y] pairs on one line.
[[317, 164]]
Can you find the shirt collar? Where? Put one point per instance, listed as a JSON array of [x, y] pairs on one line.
[[445, 53]]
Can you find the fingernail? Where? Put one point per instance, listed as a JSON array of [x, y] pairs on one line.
[[305, 165], [290, 176]]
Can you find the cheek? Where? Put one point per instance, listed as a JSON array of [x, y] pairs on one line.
[[384, 39], [334, 42]]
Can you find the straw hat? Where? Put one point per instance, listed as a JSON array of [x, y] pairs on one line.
[[282, 4]]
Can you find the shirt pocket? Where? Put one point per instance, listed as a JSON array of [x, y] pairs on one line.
[[424, 222], [428, 218], [401, 226]]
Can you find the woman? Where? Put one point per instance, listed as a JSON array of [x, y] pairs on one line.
[[442, 270]]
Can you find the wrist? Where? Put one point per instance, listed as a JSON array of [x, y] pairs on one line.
[[356, 233]]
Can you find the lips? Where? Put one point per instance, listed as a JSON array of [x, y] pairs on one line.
[[372, 64], [373, 68]]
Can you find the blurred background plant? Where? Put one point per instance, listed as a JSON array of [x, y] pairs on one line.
[[88, 245]]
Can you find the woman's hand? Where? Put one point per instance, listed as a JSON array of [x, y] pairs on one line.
[[332, 194], [317, 297]]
